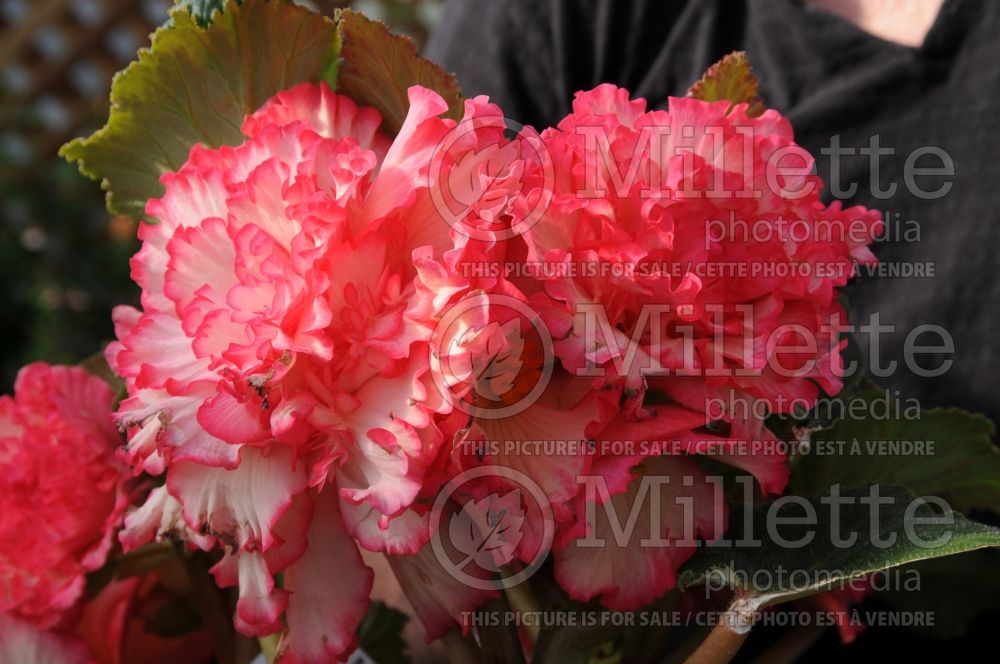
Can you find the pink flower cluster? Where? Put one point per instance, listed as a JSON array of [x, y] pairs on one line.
[[62, 498], [62, 490], [320, 350]]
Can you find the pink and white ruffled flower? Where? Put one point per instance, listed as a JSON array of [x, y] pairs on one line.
[[279, 370], [695, 353], [695, 240]]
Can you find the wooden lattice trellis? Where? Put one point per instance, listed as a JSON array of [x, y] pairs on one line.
[[57, 58], [56, 62]]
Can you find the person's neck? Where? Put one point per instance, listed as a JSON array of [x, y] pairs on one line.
[[905, 22]]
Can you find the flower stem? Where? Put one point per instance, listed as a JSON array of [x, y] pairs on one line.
[[726, 638], [720, 646], [792, 646]]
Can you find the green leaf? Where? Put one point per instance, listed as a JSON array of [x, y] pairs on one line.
[[195, 85], [946, 452], [381, 634], [377, 67], [763, 573], [954, 589], [574, 644], [731, 79]]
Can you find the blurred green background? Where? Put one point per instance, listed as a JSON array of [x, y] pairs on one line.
[[63, 258]]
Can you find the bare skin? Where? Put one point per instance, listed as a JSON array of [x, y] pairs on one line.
[[905, 22]]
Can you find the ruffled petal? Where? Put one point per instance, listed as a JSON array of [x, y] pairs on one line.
[[403, 534], [330, 588], [603, 559], [239, 506]]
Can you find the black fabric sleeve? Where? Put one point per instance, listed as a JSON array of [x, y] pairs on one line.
[[502, 49], [530, 56]]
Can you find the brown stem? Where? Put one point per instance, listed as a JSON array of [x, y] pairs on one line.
[[791, 646], [726, 638], [720, 646]]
